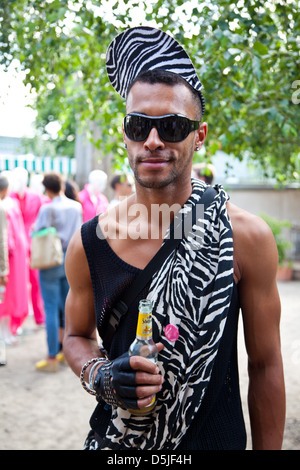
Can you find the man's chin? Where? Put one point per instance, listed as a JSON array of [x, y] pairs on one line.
[[154, 182]]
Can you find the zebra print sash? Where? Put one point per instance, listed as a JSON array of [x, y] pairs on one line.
[[192, 290]]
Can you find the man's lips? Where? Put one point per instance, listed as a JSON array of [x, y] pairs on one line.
[[154, 161]]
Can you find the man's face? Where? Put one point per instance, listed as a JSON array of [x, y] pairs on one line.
[[155, 162]]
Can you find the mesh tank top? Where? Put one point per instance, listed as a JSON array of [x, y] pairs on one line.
[[219, 423]]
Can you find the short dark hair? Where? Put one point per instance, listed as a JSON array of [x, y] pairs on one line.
[[118, 178], [167, 78], [53, 182]]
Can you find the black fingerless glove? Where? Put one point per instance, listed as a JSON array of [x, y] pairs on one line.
[[115, 383]]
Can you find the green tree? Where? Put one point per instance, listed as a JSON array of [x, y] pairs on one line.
[[246, 53]]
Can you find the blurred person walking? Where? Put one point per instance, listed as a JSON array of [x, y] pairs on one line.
[[3, 278], [4, 268], [72, 190], [122, 186], [30, 203], [91, 197], [66, 216], [14, 308]]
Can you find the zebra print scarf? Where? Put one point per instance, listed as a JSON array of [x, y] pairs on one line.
[[192, 290]]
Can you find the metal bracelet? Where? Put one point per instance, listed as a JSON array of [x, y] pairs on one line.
[[91, 374], [95, 360]]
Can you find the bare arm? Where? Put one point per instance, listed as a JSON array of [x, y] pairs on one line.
[[257, 254], [80, 340]]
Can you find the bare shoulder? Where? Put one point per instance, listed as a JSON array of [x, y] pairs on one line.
[[76, 265], [254, 243], [75, 247], [243, 222]]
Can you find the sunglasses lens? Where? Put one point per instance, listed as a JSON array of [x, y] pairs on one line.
[[136, 127], [173, 128]]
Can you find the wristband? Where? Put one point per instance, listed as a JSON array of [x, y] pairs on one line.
[[95, 361], [103, 384], [115, 383]]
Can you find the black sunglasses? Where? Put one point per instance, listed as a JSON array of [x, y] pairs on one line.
[[171, 127]]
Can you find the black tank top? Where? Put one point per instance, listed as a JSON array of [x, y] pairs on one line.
[[219, 423]]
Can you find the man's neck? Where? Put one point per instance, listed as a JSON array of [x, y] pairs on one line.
[[52, 195], [169, 195], [154, 209]]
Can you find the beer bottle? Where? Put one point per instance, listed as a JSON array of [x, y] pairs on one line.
[[143, 345]]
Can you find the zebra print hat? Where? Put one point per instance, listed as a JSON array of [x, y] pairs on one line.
[[144, 48]]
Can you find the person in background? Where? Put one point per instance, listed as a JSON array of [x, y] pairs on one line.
[[30, 203], [122, 186], [4, 267], [204, 172], [14, 308], [92, 198], [72, 190], [66, 216], [37, 187], [4, 270]]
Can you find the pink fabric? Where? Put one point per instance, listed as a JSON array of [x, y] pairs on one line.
[[15, 302], [30, 205], [91, 209]]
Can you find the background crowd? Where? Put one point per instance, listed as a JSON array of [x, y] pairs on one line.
[[29, 203]]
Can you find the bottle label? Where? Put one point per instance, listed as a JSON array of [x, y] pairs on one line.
[[144, 326]]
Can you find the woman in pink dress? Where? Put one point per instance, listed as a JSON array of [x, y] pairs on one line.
[[30, 203], [15, 302], [91, 197]]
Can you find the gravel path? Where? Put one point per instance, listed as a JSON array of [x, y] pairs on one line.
[[41, 411]]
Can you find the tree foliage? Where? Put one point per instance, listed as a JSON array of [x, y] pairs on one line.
[[246, 54]]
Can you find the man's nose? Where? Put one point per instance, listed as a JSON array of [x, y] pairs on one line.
[[153, 141]]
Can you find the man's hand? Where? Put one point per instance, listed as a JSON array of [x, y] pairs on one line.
[[129, 382], [147, 378]]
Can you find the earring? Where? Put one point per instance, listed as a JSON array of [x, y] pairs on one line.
[[197, 148], [125, 145]]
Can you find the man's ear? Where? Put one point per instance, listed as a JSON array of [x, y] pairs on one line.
[[201, 135]]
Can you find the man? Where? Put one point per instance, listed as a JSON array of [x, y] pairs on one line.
[[122, 187], [197, 290], [66, 216]]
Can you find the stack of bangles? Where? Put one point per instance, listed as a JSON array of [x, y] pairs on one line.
[[112, 382], [95, 361]]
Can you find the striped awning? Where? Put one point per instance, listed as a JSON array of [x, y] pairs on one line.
[[64, 165]]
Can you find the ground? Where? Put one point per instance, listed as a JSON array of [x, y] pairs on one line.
[[40, 411]]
